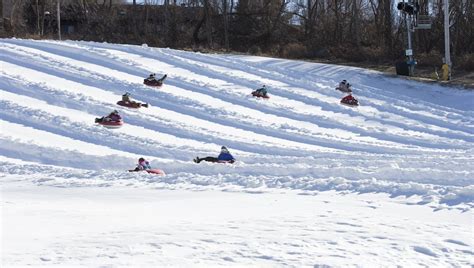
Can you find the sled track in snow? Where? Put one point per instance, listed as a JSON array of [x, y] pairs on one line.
[[404, 134]]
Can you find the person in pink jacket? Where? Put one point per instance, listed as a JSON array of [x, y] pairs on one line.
[[142, 165]]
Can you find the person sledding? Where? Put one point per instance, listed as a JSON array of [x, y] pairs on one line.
[[223, 157], [114, 116], [144, 165], [113, 120], [350, 100], [261, 92], [151, 77], [344, 86], [152, 81], [128, 102]]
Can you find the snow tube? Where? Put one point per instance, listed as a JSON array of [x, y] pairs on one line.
[[344, 89], [110, 124], [155, 171], [132, 104], [350, 102], [153, 83], [226, 161], [150, 171], [258, 95]]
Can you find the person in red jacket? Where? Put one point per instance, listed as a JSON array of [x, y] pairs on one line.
[[350, 100]]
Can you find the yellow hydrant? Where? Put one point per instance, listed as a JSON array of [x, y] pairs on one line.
[[445, 72]]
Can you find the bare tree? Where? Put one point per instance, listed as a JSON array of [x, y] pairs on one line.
[[225, 12]]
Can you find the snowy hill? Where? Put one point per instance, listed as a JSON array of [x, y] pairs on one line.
[[411, 141]]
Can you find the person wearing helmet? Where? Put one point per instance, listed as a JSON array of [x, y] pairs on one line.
[[151, 77], [223, 157], [344, 86]]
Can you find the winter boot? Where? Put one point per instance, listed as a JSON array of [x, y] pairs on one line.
[[163, 78]]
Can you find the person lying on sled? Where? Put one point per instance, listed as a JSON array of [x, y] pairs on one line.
[[223, 157]]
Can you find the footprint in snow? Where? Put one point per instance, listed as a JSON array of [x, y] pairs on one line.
[[425, 251], [457, 242]]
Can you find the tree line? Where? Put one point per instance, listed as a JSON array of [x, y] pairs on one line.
[[351, 30]]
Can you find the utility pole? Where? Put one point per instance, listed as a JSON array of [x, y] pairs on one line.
[[410, 11], [409, 51], [59, 18], [447, 53]]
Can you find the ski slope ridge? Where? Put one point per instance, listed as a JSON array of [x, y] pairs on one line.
[[406, 138]]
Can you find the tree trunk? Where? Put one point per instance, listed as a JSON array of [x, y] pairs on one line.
[[208, 14], [388, 36], [276, 20], [38, 27], [197, 29], [355, 23], [226, 26], [42, 17]]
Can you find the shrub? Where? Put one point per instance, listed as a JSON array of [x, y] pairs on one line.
[[465, 62], [255, 50], [429, 59], [294, 51]]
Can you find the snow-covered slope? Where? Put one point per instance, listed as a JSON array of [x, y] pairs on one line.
[[405, 139]]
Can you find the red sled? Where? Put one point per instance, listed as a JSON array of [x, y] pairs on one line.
[[151, 171], [350, 101], [109, 124], [258, 95], [132, 104]]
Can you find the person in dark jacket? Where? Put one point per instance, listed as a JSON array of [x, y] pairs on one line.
[[262, 91], [223, 157], [151, 77], [112, 117]]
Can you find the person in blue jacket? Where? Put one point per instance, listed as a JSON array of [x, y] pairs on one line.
[[223, 157]]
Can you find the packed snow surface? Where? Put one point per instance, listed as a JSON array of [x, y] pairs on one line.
[[316, 183]]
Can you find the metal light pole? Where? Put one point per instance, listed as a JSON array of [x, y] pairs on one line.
[[447, 53], [59, 18], [409, 51]]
